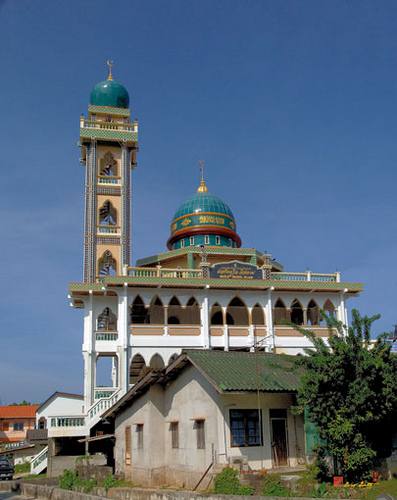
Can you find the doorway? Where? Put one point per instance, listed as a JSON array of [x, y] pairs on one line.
[[279, 435]]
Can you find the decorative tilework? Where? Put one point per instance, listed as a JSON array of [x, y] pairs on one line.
[[108, 110], [117, 135]]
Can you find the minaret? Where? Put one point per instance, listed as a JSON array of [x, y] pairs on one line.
[[109, 143]]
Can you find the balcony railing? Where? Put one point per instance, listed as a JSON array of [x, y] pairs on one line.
[[106, 336], [125, 127], [109, 180], [108, 229], [104, 392], [161, 272], [67, 421]]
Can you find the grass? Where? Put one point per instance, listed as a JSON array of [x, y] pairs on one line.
[[22, 468], [381, 487]]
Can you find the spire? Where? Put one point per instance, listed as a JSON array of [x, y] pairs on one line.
[[109, 63], [203, 186]]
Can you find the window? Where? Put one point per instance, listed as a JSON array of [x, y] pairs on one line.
[[192, 240], [182, 243], [200, 433], [5, 426], [18, 426], [139, 436], [206, 240], [174, 428], [217, 240], [245, 428], [128, 445]]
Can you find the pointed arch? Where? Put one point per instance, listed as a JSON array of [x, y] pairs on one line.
[[280, 313], [107, 214], [296, 312], [329, 308], [137, 368], [173, 358], [191, 313], [108, 166], [258, 316], [156, 311], [313, 313], [237, 313], [107, 265], [107, 320], [139, 313], [175, 311], [216, 315], [156, 362]]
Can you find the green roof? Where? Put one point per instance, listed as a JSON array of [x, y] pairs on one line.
[[109, 93], [203, 202], [235, 371]]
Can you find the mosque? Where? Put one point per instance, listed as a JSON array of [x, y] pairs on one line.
[[205, 291]]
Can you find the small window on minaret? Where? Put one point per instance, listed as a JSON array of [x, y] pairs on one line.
[[218, 240], [182, 243], [108, 165], [206, 240], [107, 214], [192, 240], [107, 264]]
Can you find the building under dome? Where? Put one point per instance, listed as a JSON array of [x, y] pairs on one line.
[[205, 292]]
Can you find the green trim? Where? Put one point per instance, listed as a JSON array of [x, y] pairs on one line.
[[217, 283], [118, 135], [108, 110]]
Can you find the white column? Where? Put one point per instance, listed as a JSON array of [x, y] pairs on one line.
[[225, 330], [89, 354], [269, 320], [205, 331], [342, 312], [251, 331], [123, 338]]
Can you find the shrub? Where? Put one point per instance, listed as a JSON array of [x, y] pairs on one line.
[[110, 482], [68, 480], [272, 486], [228, 483]]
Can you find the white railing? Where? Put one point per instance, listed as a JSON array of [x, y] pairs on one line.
[[104, 392], [109, 180], [78, 421], [39, 462], [106, 336], [108, 229], [161, 272], [100, 406], [125, 127]]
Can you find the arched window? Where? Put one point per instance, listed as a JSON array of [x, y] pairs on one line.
[[108, 165], [175, 311], [237, 313], [280, 313], [258, 318], [138, 312], [313, 313], [137, 368], [42, 423], [107, 214], [107, 264], [156, 312], [173, 358], [329, 309], [296, 312], [107, 320], [191, 314], [216, 315], [156, 362]]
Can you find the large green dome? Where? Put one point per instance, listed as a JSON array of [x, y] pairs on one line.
[[203, 219], [110, 93]]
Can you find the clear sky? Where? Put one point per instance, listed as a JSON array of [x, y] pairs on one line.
[[291, 104]]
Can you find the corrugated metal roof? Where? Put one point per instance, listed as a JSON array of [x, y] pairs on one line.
[[245, 371]]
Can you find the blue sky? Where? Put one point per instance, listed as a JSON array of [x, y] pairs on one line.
[[291, 104]]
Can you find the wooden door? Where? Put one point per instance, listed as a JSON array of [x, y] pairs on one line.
[[279, 442]]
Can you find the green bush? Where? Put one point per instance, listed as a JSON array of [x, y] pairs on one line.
[[68, 480], [272, 486], [228, 483], [110, 482], [25, 467]]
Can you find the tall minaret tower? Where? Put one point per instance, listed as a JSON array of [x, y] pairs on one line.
[[109, 143]]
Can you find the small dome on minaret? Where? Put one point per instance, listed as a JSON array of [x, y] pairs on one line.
[[110, 93]]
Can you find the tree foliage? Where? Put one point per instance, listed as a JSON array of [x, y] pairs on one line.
[[349, 389]]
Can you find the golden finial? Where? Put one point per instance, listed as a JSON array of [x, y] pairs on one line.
[[109, 63], [203, 186]]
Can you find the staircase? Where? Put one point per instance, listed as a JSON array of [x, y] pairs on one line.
[[99, 407], [40, 461]]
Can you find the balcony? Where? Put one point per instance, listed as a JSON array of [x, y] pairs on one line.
[[108, 229], [102, 125], [288, 331], [104, 392], [61, 422], [104, 336], [111, 179]]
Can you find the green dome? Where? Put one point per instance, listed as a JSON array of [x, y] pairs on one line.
[[203, 202], [203, 219], [110, 93]]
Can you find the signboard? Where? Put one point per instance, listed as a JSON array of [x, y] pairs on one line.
[[235, 270]]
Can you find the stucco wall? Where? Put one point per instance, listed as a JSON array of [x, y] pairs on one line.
[[188, 398]]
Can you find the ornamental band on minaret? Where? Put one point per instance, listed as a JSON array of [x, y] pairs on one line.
[[109, 143]]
